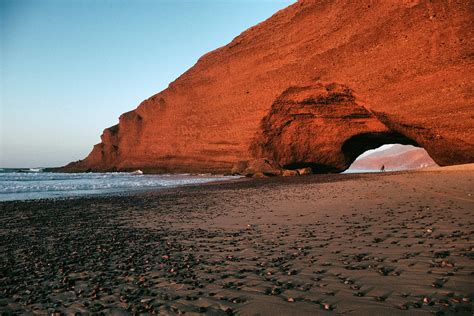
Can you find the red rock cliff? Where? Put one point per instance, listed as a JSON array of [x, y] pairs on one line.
[[315, 85]]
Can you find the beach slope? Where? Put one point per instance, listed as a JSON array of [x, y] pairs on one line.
[[374, 244]]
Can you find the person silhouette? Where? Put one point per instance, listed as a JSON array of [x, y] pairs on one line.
[[382, 169]]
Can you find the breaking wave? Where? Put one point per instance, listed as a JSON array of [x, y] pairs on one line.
[[34, 184]]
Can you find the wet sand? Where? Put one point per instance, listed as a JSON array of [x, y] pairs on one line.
[[373, 244]]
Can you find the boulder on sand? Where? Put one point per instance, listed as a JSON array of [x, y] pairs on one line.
[[304, 171], [290, 173], [262, 166]]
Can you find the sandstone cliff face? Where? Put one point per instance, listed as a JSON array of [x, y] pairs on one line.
[[347, 76], [320, 126]]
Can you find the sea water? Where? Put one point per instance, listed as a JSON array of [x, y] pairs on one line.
[[26, 184]]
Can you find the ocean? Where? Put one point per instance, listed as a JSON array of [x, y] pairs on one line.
[[28, 184]]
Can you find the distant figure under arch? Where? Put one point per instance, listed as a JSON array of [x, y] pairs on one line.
[[392, 157]]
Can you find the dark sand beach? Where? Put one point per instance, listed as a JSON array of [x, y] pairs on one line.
[[371, 244]]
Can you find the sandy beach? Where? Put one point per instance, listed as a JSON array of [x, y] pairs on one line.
[[355, 244]]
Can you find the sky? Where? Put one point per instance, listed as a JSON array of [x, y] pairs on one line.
[[70, 68]]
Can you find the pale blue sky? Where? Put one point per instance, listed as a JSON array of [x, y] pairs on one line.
[[69, 68]]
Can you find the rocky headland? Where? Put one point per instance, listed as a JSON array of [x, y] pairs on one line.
[[313, 86]]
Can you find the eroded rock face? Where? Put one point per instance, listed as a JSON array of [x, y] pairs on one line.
[[263, 166], [403, 71], [309, 126]]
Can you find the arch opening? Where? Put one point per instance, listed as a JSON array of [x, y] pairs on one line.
[[384, 151]]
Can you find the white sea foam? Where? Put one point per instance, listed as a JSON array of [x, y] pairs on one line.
[[37, 184]]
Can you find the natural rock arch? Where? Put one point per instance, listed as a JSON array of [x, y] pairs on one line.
[[322, 126], [417, 85]]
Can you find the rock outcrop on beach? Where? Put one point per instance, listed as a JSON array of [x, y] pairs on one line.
[[313, 86], [310, 127]]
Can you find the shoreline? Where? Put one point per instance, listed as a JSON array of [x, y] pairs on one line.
[[45, 185], [212, 185], [355, 244], [139, 191]]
